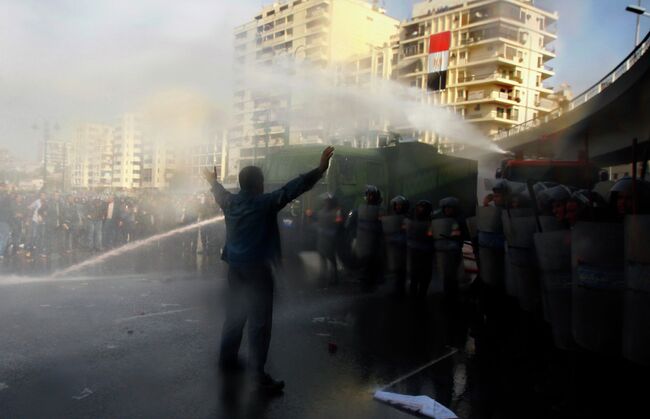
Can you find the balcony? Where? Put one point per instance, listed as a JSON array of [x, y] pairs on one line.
[[479, 96], [492, 32], [492, 116], [491, 77], [320, 12]]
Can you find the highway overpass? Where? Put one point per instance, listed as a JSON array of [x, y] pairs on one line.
[[602, 121]]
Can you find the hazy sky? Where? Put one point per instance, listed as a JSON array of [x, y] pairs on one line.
[[75, 60]]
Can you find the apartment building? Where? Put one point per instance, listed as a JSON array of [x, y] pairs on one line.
[[92, 156], [320, 32], [486, 59], [128, 136], [158, 163], [207, 154]]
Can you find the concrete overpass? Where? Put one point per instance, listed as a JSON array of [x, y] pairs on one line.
[[602, 121]]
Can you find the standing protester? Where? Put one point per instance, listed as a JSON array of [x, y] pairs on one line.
[[53, 224], [420, 249], [71, 219], [36, 236], [110, 223], [252, 247], [329, 221], [5, 219], [394, 229], [17, 220], [95, 218]]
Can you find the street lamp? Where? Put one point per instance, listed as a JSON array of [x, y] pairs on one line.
[[638, 11]]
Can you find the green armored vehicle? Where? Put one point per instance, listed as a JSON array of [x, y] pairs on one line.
[[415, 170]]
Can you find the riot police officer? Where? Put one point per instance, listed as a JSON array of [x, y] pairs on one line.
[[395, 237], [365, 220], [420, 249], [450, 232], [623, 200], [329, 220]]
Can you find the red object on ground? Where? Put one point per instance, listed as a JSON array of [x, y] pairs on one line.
[[332, 347]]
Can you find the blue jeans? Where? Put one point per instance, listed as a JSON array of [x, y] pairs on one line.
[[95, 234]]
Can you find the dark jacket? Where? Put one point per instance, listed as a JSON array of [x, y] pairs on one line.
[[252, 234]]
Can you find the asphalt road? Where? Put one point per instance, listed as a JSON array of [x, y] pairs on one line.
[[115, 344], [145, 345]]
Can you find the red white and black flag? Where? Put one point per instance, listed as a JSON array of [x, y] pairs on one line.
[[438, 60]]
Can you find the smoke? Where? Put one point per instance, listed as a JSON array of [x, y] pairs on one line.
[[321, 100], [179, 117]]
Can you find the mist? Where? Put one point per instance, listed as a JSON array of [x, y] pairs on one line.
[[71, 62], [324, 101]]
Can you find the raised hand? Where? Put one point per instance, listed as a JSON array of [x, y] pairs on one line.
[[325, 159], [210, 176]]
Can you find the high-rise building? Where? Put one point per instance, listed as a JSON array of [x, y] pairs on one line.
[[158, 163], [208, 154], [92, 156], [321, 32], [128, 136], [485, 59]]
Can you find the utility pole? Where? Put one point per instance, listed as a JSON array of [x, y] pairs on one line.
[[638, 27]]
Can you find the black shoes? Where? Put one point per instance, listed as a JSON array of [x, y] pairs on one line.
[[267, 385]]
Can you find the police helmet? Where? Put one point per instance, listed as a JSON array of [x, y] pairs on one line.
[[584, 197], [500, 186], [402, 202], [372, 195], [423, 209], [625, 186], [449, 202]]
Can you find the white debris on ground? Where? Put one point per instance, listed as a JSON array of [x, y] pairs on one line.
[[423, 405], [84, 393], [3, 386]]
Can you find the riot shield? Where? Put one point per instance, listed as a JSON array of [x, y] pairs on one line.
[[395, 238], [523, 280], [448, 252], [491, 245], [636, 300], [553, 251], [488, 219], [597, 260]]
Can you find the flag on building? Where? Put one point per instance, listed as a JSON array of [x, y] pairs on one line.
[[438, 60]]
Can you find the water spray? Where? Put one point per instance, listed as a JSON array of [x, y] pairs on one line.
[[132, 246]]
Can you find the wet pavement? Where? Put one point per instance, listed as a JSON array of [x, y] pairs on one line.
[[139, 338]]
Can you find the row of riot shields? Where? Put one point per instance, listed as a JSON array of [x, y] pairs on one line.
[[591, 283], [448, 253]]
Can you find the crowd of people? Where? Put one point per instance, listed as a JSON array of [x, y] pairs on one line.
[[45, 224]]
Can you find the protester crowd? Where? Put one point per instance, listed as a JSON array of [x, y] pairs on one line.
[[45, 224]]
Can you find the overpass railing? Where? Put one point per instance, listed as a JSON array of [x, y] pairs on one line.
[[584, 97]]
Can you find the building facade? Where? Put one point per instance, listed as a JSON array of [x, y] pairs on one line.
[[208, 154], [486, 59], [128, 136], [320, 32], [92, 156]]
